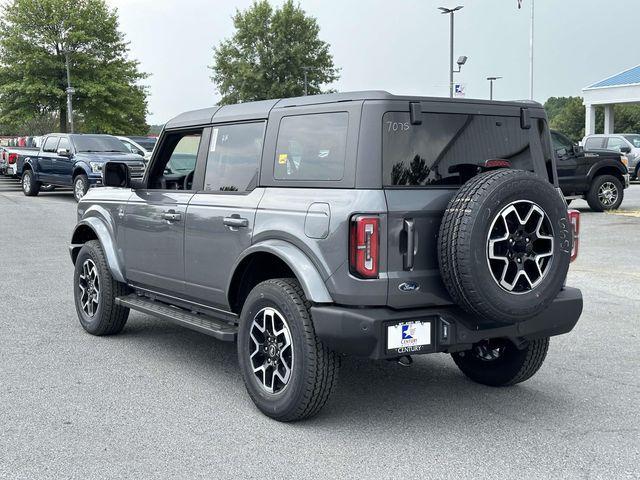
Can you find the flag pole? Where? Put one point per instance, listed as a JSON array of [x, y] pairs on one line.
[[531, 55]]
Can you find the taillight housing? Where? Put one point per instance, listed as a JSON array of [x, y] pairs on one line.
[[364, 246], [13, 157], [574, 220]]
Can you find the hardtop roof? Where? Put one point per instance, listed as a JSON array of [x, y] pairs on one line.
[[260, 109]]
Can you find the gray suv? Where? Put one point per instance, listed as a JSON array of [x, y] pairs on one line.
[[361, 223]]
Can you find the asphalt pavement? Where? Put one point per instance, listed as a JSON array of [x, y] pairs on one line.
[[160, 401]]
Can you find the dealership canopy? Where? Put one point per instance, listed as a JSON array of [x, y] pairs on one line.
[[623, 87]]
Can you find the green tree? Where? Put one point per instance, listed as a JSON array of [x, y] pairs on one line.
[[567, 115], [269, 53], [35, 37]]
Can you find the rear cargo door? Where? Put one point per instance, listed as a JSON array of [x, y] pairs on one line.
[[427, 155]]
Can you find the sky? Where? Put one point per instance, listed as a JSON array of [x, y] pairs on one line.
[[401, 46]]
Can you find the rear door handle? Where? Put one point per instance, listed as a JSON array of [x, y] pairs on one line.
[[235, 221], [172, 216], [409, 228]]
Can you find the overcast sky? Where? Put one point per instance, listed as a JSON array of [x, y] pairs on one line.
[[396, 45]]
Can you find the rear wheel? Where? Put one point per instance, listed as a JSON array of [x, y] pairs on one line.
[[606, 193], [30, 186], [80, 186], [287, 370], [499, 363]]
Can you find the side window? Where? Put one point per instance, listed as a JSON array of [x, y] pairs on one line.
[[50, 145], [560, 142], [234, 156], [176, 161], [64, 144], [312, 147], [593, 143], [615, 143]]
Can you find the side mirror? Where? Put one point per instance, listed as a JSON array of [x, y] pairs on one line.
[[64, 152], [116, 174], [561, 152], [577, 149], [625, 149]]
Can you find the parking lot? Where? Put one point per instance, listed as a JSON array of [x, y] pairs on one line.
[[159, 401]]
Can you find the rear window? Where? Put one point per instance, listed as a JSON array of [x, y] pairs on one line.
[[446, 149], [593, 142], [312, 147]]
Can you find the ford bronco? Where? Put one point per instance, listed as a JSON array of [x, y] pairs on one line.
[[359, 223]]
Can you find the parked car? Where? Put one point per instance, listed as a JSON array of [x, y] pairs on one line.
[[599, 176], [75, 160], [353, 223], [137, 148], [625, 143], [14, 159]]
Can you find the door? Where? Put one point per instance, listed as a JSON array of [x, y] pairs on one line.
[[62, 166], [220, 216], [45, 163], [424, 164], [154, 218], [567, 164]]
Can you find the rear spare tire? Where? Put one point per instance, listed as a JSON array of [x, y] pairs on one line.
[[504, 245]]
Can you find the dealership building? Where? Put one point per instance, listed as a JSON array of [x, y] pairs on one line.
[[623, 87]]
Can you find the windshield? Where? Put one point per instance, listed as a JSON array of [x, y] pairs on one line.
[[145, 142], [634, 139], [98, 143], [446, 149]]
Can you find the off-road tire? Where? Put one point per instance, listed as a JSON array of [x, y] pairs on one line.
[[463, 244], [592, 196], [31, 187], [514, 366], [315, 367], [85, 186], [109, 317]]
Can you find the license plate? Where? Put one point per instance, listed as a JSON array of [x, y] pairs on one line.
[[408, 337]]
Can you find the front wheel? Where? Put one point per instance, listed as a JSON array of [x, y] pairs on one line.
[[606, 193], [95, 292], [499, 363], [288, 372], [80, 186]]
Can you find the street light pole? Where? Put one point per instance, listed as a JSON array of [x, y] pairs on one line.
[[70, 91], [450, 11], [491, 80]]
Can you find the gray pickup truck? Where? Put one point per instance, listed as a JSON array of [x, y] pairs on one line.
[[361, 223]]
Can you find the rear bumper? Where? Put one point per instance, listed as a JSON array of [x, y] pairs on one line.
[[362, 331]]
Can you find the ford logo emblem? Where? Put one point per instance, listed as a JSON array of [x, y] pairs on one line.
[[408, 287]]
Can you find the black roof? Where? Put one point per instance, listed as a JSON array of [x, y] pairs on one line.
[[261, 109]]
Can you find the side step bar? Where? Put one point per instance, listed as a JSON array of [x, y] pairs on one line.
[[219, 329]]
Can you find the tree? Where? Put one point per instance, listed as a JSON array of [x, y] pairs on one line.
[[567, 115], [35, 37], [269, 53]]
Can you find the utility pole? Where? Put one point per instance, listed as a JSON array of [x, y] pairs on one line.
[[70, 91], [450, 11], [491, 80]]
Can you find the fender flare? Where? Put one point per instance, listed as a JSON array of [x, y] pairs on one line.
[[608, 163], [303, 268], [81, 165], [105, 237]]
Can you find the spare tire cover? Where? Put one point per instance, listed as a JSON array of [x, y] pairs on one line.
[[504, 245]]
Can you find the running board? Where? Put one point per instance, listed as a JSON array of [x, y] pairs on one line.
[[217, 328]]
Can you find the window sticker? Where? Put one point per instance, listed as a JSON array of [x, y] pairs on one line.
[[214, 140], [282, 159]]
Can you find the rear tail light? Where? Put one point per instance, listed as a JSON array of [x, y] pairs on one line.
[[12, 158], [574, 220], [364, 242]]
